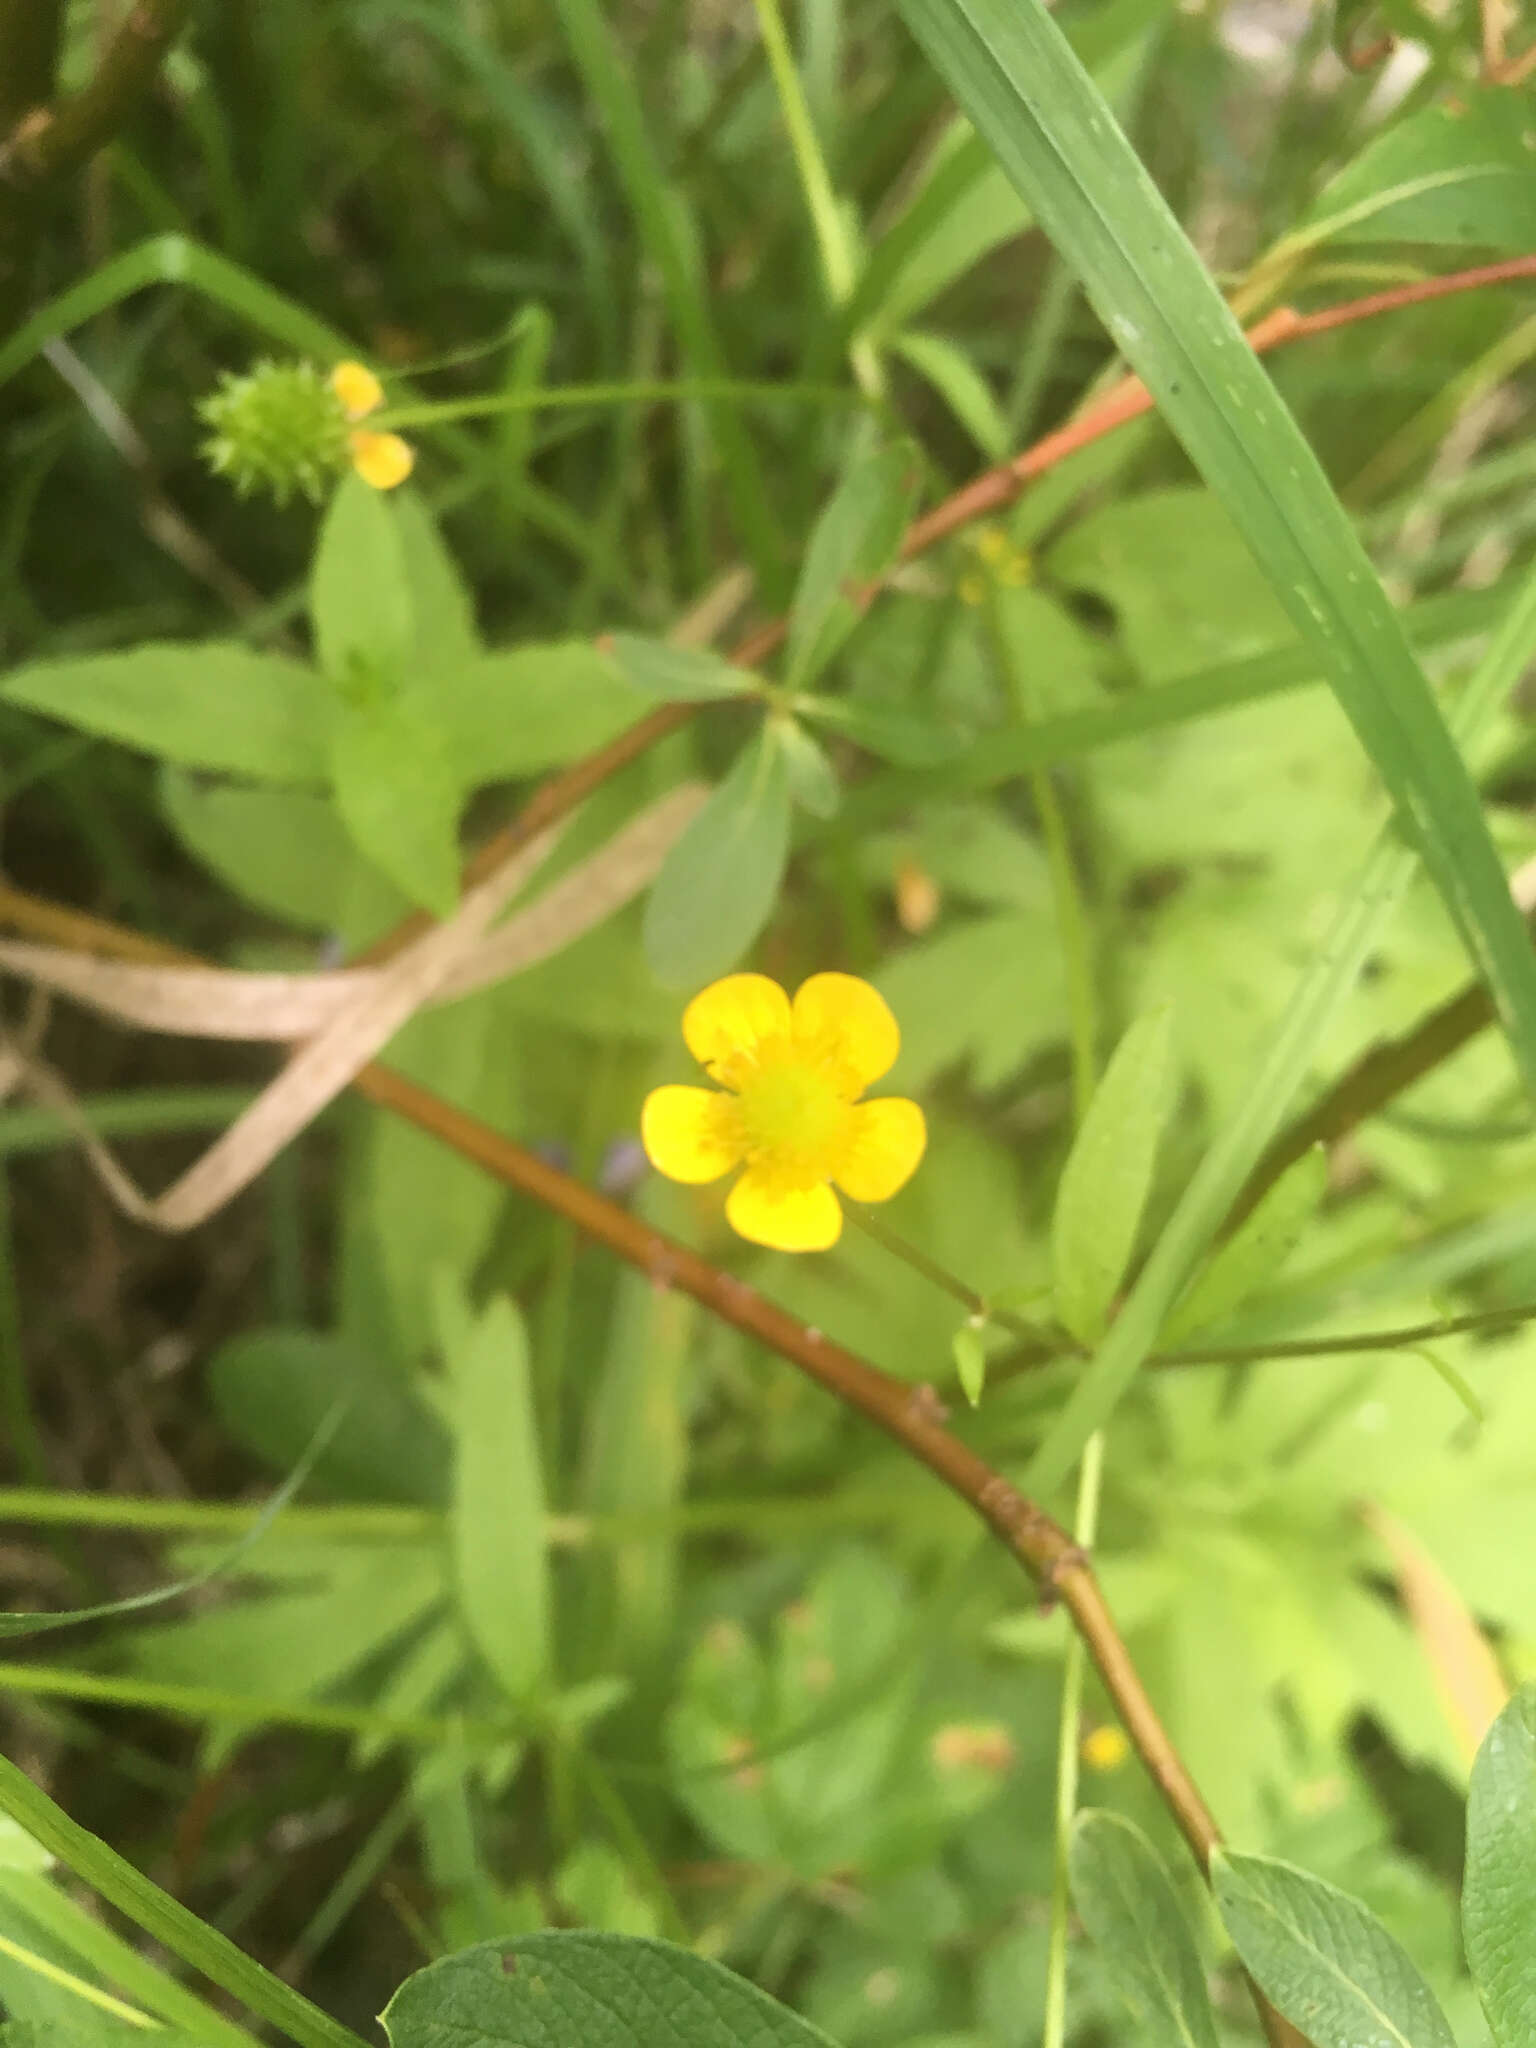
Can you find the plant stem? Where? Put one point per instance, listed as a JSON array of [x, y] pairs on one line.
[[165, 1919]]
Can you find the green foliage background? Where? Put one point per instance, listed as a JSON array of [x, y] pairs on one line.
[[590, 1614]]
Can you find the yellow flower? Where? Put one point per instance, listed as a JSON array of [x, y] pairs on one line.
[[1105, 1748], [382, 460], [791, 1116]]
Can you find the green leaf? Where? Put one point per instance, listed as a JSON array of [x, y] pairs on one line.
[[1108, 1174], [813, 781], [1461, 172], [526, 709], [497, 1516], [91, 2030], [1498, 1901], [960, 384], [272, 1388], [167, 1921], [718, 884], [1323, 1960], [442, 610], [399, 798], [587, 1991], [904, 737], [853, 541], [283, 850], [679, 675], [1051, 130], [359, 588], [1127, 1902], [970, 1353], [205, 705], [1256, 1251]]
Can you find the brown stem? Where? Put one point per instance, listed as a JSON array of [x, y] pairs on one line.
[[30, 34], [911, 1414], [47, 142]]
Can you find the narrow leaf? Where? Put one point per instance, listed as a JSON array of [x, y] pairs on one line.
[[1323, 1960], [854, 540], [441, 608], [718, 883], [359, 590], [905, 737], [587, 1991], [1256, 1250], [1108, 1173], [813, 781], [1127, 1902], [497, 1518], [678, 675], [1498, 1901]]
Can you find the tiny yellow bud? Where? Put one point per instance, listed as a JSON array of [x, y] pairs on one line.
[[382, 460], [993, 544], [1105, 1749], [358, 389]]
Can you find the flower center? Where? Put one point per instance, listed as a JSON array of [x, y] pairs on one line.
[[794, 1119]]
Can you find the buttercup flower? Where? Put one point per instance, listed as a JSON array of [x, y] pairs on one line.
[[793, 1073], [382, 460], [283, 427]]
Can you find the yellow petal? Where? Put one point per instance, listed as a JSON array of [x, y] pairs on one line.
[[806, 1221], [885, 1144], [734, 1016], [690, 1134], [852, 1022], [357, 388], [382, 460]]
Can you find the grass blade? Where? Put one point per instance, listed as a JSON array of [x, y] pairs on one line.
[[1017, 79]]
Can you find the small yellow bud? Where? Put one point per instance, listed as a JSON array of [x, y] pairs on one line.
[[1105, 1749], [359, 391], [382, 460]]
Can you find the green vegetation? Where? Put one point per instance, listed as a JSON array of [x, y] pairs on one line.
[[449, 1573]]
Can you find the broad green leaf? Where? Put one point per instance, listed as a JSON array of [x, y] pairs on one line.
[[205, 705], [360, 588], [679, 675], [907, 738], [718, 884], [399, 797], [960, 384], [986, 990], [1108, 1174], [442, 610], [1256, 1250], [1461, 172], [271, 1389], [525, 709], [1498, 1900], [587, 1991], [1018, 81], [1324, 1960], [1126, 1900], [852, 542], [283, 850], [813, 780], [497, 1517]]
